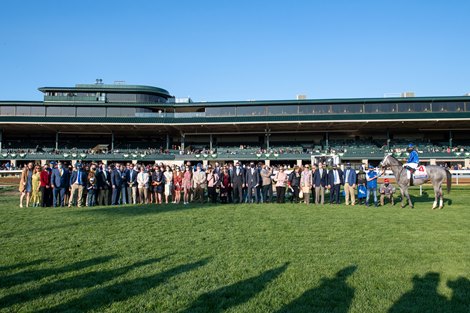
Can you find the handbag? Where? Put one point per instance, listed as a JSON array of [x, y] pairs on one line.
[[301, 194]]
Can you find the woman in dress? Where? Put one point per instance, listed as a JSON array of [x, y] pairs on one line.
[[177, 184], [36, 184], [225, 185], [187, 176], [158, 183], [26, 184], [168, 176]]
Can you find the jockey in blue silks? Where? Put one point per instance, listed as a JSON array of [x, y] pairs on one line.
[[413, 159]]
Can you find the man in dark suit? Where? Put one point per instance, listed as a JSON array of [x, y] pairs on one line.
[[131, 176], [78, 182], [60, 180], [335, 180], [103, 182], [238, 182], [252, 182], [320, 180], [116, 183]]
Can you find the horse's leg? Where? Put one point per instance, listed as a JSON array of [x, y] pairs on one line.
[[403, 201], [441, 196], [436, 197], [407, 194]]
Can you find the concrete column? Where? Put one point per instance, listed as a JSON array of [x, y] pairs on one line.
[[204, 163], [299, 162], [105, 162], [167, 141], [235, 162], [467, 163], [112, 141], [134, 162], [432, 161], [182, 141], [327, 143], [43, 162], [210, 142], [267, 162], [1, 139], [365, 162], [57, 140], [13, 163]]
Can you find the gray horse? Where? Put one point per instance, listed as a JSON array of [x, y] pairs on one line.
[[436, 174]]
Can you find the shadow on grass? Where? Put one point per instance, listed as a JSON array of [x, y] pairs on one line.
[[229, 296], [134, 210], [86, 280], [333, 295], [21, 265], [99, 298], [40, 229], [34, 275], [425, 298]]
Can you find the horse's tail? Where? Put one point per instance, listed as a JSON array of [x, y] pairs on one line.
[[449, 180]]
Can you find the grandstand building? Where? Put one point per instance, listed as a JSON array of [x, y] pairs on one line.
[[136, 123]]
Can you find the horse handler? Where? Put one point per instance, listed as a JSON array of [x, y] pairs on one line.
[[386, 191]]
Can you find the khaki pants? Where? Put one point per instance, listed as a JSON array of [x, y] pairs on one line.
[[349, 191], [319, 193], [103, 196], [132, 192], [76, 189], [143, 195], [383, 196]]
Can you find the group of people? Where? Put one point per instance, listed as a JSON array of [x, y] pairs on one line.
[[56, 184]]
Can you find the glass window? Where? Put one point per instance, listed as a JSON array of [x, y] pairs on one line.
[[91, 111], [251, 111], [321, 109], [61, 111], [347, 108], [220, 111], [380, 107], [23, 110], [121, 97], [7, 110], [448, 107], [414, 107], [38, 111], [121, 112], [283, 109]]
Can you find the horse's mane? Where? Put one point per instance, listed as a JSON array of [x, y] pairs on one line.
[[395, 160]]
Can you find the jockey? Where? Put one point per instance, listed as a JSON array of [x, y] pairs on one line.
[[413, 159]]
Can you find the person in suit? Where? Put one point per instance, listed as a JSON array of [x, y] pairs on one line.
[[349, 178], [60, 180], [124, 195], [294, 184], [266, 180], [77, 183], [132, 184], [143, 185], [103, 183], [238, 182], [320, 181], [116, 183], [199, 183], [252, 182], [335, 180]]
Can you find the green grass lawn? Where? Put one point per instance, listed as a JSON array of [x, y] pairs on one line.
[[236, 258]]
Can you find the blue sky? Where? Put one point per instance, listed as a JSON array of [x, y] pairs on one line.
[[238, 50]]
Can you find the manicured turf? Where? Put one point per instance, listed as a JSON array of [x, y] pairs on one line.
[[236, 258]]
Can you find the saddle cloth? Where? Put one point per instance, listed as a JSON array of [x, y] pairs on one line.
[[420, 173]]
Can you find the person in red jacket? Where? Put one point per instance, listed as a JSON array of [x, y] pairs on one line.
[[45, 187]]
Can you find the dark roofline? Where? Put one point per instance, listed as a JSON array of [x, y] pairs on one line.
[[111, 88]]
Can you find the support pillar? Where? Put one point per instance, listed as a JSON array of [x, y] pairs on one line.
[[432, 161], [167, 141], [1, 139], [112, 141], [467, 163], [327, 144], [57, 140], [43, 162], [182, 141], [267, 134], [267, 162], [299, 162], [450, 139], [204, 163], [365, 162], [210, 142], [13, 163]]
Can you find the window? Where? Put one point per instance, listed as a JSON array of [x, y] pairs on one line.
[[448, 107], [283, 109], [380, 107], [61, 111], [346, 108], [220, 111], [121, 112], [414, 107], [91, 111], [7, 110], [251, 111]]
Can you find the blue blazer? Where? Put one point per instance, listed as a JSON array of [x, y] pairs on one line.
[[320, 181], [60, 181], [84, 178], [116, 178], [331, 177], [134, 177], [352, 176]]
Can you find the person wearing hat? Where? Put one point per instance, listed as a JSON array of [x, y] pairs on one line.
[[349, 184], [386, 191], [413, 159], [371, 178]]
